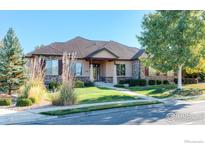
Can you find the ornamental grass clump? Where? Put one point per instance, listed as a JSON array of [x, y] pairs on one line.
[[67, 94], [34, 87]]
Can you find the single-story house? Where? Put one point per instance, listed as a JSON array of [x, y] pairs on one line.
[[107, 61]]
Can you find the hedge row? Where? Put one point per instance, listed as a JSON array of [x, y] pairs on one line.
[[142, 82], [187, 81]]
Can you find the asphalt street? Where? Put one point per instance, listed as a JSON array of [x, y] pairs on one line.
[[159, 114]]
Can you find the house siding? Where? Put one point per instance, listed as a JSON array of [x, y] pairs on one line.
[[134, 69]]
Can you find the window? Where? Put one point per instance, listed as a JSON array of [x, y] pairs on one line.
[[51, 67], [120, 69], [78, 69]]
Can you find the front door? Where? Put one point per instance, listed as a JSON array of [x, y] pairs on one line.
[[96, 72]]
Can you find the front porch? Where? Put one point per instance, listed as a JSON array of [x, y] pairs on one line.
[[102, 70]]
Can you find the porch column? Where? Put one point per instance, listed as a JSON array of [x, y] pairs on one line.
[[91, 73], [114, 74]]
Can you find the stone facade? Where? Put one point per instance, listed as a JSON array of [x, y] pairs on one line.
[[49, 78], [110, 79], [135, 69], [57, 78]]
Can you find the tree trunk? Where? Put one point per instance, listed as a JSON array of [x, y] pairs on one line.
[[179, 86], [9, 90]]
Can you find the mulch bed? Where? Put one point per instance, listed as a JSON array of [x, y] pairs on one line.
[[5, 96], [43, 104]]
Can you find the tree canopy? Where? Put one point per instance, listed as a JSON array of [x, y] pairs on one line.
[[173, 39]]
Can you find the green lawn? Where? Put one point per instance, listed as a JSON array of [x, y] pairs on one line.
[[95, 108], [98, 95], [164, 91]]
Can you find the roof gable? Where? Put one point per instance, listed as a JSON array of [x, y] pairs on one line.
[[103, 53]]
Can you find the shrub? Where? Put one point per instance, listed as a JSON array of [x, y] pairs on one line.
[[151, 82], [119, 85], [142, 82], [190, 81], [89, 84], [122, 82], [79, 84], [32, 99], [158, 82], [165, 82], [5, 101], [53, 86], [133, 82], [24, 102]]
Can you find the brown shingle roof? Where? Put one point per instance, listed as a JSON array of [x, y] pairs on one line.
[[84, 47]]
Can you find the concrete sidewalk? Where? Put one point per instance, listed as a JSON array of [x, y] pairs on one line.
[[14, 117]]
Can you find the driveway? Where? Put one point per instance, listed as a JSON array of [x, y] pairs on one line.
[[160, 114]]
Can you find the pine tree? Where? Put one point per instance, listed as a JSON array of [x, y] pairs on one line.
[[12, 61]]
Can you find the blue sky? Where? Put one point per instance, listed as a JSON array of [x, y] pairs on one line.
[[44, 27]]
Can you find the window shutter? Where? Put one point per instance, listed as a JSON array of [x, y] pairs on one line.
[[60, 66], [146, 71]]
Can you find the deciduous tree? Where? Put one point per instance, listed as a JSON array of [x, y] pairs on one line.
[[173, 40]]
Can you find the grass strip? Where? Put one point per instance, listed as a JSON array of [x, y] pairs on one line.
[[95, 108]]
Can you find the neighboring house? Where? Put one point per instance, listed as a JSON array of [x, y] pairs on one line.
[[106, 61]]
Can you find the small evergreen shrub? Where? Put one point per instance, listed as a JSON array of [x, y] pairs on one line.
[[133, 82], [53, 86], [165, 82], [23, 102], [32, 99], [89, 84], [5, 101], [119, 85], [151, 82], [142, 82], [158, 82], [79, 84], [127, 81]]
